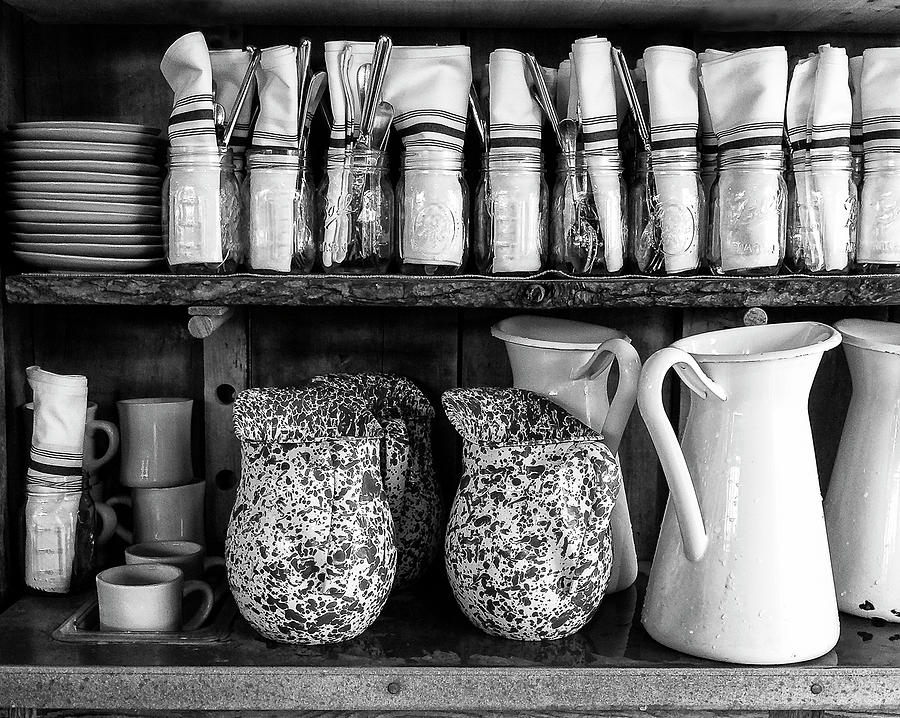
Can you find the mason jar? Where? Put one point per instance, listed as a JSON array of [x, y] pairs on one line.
[[356, 214], [201, 212], [279, 207], [878, 243], [432, 212], [748, 214], [588, 219], [822, 214], [51, 522], [511, 215], [667, 231]]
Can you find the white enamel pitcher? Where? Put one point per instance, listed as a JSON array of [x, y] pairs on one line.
[[569, 363], [862, 506], [742, 570]]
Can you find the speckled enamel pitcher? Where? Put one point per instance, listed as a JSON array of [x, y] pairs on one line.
[[862, 507], [569, 362], [742, 570]]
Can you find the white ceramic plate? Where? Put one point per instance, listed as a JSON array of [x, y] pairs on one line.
[[99, 251], [143, 169], [85, 125], [62, 145], [19, 154], [79, 188], [64, 263], [84, 133], [81, 216], [84, 203], [77, 228], [117, 239], [65, 176]]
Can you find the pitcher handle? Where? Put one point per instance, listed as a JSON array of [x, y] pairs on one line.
[[684, 497], [626, 391]]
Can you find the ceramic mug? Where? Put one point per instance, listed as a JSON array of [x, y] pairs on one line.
[[156, 442], [148, 597], [165, 514], [186, 555]]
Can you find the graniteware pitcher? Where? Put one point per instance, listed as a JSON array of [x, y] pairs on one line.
[[742, 570], [569, 362], [862, 506]]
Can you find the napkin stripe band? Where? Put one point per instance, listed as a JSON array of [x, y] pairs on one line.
[[830, 142], [434, 143], [54, 470], [773, 140], [190, 99], [432, 127], [501, 142], [674, 143], [590, 137], [191, 116], [881, 135]]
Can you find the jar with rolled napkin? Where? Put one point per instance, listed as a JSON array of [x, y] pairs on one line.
[[200, 196], [228, 70], [878, 248], [512, 198], [428, 87], [746, 92], [355, 196]]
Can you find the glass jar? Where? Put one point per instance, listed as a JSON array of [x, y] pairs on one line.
[[51, 524], [356, 214], [279, 210], [201, 212], [822, 212], [748, 214], [510, 219], [668, 214], [878, 244], [432, 212], [588, 226]]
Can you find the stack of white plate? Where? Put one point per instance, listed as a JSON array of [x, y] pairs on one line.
[[84, 196]]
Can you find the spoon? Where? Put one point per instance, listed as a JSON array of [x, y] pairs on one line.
[[362, 84], [381, 125], [219, 120], [380, 59], [311, 100]]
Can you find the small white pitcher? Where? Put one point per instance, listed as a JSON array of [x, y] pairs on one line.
[[742, 571], [862, 506], [569, 363]]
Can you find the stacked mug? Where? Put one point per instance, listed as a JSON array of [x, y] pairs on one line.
[[164, 561]]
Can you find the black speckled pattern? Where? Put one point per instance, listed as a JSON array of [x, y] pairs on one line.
[[528, 548], [310, 547]]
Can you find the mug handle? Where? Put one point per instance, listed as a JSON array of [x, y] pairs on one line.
[[110, 522], [203, 612], [112, 434], [210, 562], [123, 533]]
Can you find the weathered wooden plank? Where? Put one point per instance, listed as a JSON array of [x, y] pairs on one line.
[[414, 714], [544, 292]]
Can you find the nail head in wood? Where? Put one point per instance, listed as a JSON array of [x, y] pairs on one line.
[[393, 688]]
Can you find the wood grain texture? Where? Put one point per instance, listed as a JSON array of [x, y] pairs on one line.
[[855, 15], [542, 292], [403, 714]]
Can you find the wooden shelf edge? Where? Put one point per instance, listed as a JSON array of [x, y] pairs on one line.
[[547, 291], [173, 688]]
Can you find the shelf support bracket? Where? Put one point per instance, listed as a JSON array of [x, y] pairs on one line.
[[204, 321]]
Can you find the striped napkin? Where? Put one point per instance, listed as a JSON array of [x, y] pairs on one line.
[[362, 52], [186, 67], [515, 132], [57, 442], [674, 116], [880, 85], [276, 80], [856, 127], [709, 148], [228, 70], [429, 89]]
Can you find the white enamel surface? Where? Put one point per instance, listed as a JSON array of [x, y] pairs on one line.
[[862, 507], [544, 353], [760, 589]]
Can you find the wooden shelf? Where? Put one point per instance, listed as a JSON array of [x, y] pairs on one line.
[[765, 15], [422, 655], [546, 291]]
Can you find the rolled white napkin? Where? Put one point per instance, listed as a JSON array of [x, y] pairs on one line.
[[276, 80], [709, 148], [186, 67], [831, 114], [674, 115], [601, 114], [880, 102], [798, 111], [856, 127], [745, 92], [515, 131], [429, 89], [228, 70], [361, 52]]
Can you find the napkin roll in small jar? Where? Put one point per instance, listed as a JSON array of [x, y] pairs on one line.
[[511, 215], [432, 212], [356, 213], [588, 218], [201, 211], [278, 201]]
